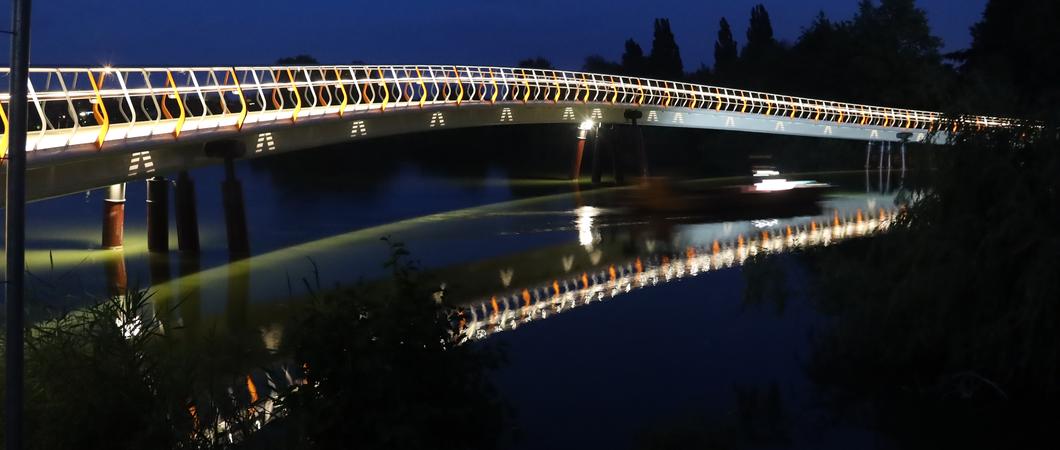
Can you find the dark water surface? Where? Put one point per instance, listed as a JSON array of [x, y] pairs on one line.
[[641, 357]]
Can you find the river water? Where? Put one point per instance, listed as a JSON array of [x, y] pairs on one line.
[[617, 326]]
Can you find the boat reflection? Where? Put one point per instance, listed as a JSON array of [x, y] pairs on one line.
[[684, 256]]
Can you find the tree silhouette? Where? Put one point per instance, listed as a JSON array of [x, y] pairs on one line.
[[665, 55], [297, 60], [1012, 63], [725, 49], [633, 61], [759, 34], [761, 53], [599, 64], [536, 63]]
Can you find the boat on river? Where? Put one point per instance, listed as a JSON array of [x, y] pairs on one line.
[[768, 197]]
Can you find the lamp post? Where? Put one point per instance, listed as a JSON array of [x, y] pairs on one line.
[[15, 223]]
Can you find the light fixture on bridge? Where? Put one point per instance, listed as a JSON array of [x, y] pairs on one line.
[[583, 130]]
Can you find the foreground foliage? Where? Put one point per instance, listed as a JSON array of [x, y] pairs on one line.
[[946, 326], [382, 371]]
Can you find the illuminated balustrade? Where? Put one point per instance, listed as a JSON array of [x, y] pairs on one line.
[[79, 106]]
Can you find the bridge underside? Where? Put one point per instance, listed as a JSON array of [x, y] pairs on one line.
[[53, 173]]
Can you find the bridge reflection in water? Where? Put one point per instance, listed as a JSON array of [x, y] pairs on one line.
[[513, 307]]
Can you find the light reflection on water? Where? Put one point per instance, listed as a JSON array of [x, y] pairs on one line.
[[506, 311], [510, 258], [457, 243]]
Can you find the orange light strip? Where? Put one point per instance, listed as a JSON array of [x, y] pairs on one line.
[[99, 110], [460, 87], [493, 80], [242, 100], [342, 89], [423, 87], [297, 97], [320, 89], [386, 90], [614, 91], [369, 99], [640, 87], [3, 140], [526, 84], [586, 83], [252, 390], [555, 81], [180, 104]]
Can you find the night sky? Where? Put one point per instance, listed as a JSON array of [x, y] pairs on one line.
[[500, 32]]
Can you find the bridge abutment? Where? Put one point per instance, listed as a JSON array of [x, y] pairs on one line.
[[114, 217]]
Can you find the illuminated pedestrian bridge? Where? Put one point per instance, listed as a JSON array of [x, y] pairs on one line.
[[93, 127]]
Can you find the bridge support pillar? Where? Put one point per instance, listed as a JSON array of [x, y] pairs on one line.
[[187, 218], [633, 115], [157, 214], [868, 154], [618, 166], [883, 149], [903, 156], [639, 136], [597, 168], [579, 153], [114, 217], [117, 278], [235, 213]]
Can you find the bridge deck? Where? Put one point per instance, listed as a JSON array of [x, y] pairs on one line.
[[91, 127]]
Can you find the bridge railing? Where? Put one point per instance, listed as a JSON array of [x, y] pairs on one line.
[[78, 106]]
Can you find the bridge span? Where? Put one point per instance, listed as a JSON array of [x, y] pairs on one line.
[[94, 127]]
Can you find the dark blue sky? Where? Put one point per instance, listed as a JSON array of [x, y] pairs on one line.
[[231, 32]]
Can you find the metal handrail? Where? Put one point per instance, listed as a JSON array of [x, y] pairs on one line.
[[75, 106]]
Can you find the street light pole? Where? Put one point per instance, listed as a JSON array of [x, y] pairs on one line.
[[15, 223]]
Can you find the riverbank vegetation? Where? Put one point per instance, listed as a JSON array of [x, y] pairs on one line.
[[945, 326], [113, 375]]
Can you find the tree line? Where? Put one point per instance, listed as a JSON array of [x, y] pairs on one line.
[[885, 54]]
